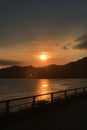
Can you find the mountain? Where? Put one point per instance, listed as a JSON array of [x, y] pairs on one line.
[[77, 69]]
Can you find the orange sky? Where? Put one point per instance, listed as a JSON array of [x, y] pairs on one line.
[[30, 28]]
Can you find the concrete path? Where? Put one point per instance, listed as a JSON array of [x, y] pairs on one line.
[[70, 117]]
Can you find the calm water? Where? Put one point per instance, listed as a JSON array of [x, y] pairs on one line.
[[13, 88]]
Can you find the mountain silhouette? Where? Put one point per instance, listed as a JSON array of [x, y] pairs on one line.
[[77, 69]]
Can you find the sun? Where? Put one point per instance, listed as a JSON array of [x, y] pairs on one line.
[[43, 57]]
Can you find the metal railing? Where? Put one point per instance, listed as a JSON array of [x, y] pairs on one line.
[[17, 104]]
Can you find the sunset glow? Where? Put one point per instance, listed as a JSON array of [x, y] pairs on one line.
[[40, 33], [43, 57]]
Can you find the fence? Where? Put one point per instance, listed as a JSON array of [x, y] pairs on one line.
[[34, 101]]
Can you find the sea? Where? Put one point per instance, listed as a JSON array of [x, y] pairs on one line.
[[17, 88]]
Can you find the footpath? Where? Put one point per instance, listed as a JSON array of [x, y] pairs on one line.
[[67, 117]]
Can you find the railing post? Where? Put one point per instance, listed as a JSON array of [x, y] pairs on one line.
[[7, 106], [75, 92], [65, 92], [33, 101], [83, 90], [51, 97]]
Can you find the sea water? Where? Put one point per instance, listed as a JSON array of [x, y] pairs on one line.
[[16, 88]]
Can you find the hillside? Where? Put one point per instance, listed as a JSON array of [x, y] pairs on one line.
[[76, 69]]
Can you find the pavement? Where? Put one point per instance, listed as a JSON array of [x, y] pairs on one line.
[[68, 117]]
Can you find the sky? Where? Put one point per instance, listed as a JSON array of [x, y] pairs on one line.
[[30, 28]]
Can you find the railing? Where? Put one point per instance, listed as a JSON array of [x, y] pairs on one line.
[[34, 101]]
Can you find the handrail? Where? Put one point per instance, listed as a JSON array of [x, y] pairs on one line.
[[65, 92], [42, 94]]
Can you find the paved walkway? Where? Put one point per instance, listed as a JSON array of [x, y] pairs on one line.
[[70, 117]]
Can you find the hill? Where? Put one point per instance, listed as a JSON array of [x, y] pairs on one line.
[[77, 69]]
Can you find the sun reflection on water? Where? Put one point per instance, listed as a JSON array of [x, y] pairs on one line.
[[43, 88]]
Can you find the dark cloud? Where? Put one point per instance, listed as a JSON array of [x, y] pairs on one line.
[[64, 47], [82, 38], [82, 42], [82, 45], [9, 62], [25, 21]]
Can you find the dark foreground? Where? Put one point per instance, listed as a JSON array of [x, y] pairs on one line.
[[70, 115]]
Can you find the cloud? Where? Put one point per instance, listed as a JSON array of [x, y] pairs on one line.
[[81, 46], [4, 62], [82, 38], [81, 42], [64, 47], [24, 22]]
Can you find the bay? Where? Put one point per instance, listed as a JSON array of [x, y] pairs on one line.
[[15, 88]]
